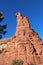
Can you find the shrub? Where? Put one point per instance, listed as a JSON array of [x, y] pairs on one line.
[[13, 62], [17, 62]]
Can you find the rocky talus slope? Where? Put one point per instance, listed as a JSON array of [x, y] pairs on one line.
[[24, 45]]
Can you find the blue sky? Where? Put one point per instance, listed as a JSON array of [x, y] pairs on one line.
[[33, 9]]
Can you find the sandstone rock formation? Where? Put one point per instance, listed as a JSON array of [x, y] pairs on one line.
[[24, 45]]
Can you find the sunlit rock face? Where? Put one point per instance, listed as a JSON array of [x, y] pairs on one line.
[[24, 45]]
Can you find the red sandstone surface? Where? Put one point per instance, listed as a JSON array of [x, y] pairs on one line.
[[24, 45]]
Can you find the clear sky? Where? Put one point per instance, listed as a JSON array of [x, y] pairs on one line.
[[33, 9]]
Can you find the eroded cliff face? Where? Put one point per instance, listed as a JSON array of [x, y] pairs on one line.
[[24, 45]]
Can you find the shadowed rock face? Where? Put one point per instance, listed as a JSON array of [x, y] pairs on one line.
[[24, 45]]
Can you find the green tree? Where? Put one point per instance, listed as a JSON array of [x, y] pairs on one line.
[[2, 27]]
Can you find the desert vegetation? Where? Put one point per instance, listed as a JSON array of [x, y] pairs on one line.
[[17, 62]]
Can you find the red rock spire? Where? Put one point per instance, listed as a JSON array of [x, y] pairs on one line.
[[25, 45], [22, 24]]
